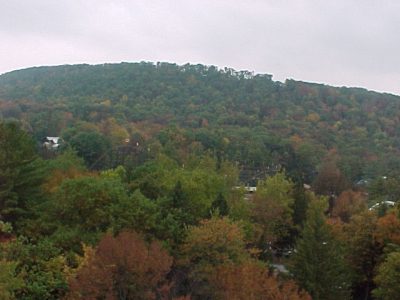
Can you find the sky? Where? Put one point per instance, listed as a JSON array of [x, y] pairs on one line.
[[338, 42]]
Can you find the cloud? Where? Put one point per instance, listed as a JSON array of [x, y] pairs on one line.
[[352, 43]]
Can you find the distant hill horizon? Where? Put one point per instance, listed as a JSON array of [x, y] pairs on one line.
[[7, 73]]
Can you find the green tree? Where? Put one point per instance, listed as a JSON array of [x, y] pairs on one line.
[[20, 173], [318, 263], [83, 208], [300, 205], [93, 147], [220, 205], [178, 197], [191, 188], [85, 201], [38, 269], [272, 211], [135, 212], [278, 188], [362, 251], [388, 278], [9, 281]]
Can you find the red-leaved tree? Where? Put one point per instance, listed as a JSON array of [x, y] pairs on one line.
[[122, 267], [252, 281]]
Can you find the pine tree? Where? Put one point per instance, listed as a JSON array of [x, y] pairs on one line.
[[220, 204], [20, 172], [318, 263], [178, 196], [300, 205]]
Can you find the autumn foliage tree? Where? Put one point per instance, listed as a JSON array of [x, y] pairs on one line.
[[213, 243], [67, 165], [330, 180], [349, 203], [122, 267], [251, 280], [367, 238], [388, 230]]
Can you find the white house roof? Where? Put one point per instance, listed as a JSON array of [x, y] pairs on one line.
[[54, 139], [388, 203], [249, 189]]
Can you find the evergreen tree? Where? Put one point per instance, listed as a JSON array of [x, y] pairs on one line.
[[318, 263], [20, 172], [300, 205], [178, 196], [220, 204], [180, 207]]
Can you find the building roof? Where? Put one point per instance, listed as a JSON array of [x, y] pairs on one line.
[[53, 139]]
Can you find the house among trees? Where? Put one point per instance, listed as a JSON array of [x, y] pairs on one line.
[[52, 143], [248, 191], [385, 203]]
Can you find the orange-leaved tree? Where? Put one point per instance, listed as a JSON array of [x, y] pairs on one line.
[[388, 230], [349, 203], [122, 267], [252, 280]]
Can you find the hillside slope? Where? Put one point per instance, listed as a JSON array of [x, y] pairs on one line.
[[239, 116]]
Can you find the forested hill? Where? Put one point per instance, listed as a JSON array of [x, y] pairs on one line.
[[142, 197], [238, 116]]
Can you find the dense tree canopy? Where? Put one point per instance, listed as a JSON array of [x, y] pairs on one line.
[[239, 116], [193, 182]]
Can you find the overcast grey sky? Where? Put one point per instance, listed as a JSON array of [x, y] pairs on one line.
[[337, 42]]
